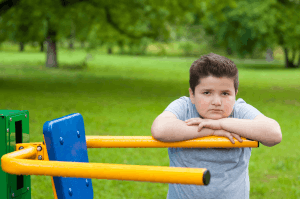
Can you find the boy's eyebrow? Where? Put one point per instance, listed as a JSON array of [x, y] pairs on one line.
[[205, 89]]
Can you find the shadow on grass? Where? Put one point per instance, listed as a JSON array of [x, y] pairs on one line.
[[80, 66], [93, 86]]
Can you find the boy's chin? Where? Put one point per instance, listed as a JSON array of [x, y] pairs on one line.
[[214, 117]]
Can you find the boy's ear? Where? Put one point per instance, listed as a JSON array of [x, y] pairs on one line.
[[191, 96]]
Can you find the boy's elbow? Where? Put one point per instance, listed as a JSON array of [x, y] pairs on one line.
[[277, 137], [274, 142], [155, 132]]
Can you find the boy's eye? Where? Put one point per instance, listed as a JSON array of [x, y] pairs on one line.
[[223, 93]]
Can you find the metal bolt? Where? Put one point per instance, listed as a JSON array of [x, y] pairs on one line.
[[40, 157], [78, 134], [13, 195], [87, 182], [28, 188], [21, 147], [10, 119], [61, 140], [39, 148], [7, 130], [25, 115], [70, 192]]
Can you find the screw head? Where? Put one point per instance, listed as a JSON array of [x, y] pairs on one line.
[[21, 147], [10, 119], [39, 148], [70, 192], [25, 115], [7, 130], [28, 188], [61, 140], [78, 134], [87, 182], [13, 195], [40, 157]]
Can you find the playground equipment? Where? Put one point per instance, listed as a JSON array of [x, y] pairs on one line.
[[63, 156]]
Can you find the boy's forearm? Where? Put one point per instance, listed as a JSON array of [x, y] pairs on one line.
[[266, 133], [177, 130]]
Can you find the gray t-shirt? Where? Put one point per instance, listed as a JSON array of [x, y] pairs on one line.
[[228, 167]]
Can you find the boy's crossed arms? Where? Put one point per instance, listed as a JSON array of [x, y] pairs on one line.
[[263, 129]]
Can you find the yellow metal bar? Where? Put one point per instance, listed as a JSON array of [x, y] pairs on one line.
[[150, 142], [16, 163]]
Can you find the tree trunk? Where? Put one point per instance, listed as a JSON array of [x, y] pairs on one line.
[[286, 57], [289, 64], [71, 46], [51, 53], [109, 50], [229, 51], [269, 55], [51, 45], [21, 46], [121, 46], [299, 61], [72, 37], [42, 46]]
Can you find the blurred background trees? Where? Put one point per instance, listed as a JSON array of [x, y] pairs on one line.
[[243, 29]]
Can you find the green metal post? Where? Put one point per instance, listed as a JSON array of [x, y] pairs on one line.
[[14, 128]]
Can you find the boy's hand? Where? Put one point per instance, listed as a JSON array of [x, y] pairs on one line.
[[213, 124], [209, 123], [229, 135]]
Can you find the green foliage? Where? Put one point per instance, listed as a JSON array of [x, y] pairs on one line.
[[107, 23], [246, 28], [254, 26]]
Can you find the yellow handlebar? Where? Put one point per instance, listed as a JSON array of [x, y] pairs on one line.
[[17, 163], [150, 142], [24, 161]]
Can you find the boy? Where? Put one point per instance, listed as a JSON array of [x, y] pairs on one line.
[[211, 109]]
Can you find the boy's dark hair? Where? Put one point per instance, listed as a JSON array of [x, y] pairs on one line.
[[213, 65]]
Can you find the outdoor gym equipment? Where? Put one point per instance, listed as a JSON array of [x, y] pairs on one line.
[[63, 156]]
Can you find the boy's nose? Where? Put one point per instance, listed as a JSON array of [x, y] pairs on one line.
[[216, 101]]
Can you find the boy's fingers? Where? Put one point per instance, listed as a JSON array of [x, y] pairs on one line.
[[238, 137]]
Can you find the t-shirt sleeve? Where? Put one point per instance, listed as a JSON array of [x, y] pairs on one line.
[[179, 108], [245, 111]]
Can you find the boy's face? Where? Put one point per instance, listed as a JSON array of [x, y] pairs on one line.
[[206, 100]]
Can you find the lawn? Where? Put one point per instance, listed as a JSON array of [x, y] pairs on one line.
[[122, 95]]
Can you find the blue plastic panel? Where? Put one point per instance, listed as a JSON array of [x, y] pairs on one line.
[[65, 141]]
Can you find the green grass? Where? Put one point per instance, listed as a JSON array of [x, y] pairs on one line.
[[122, 95]]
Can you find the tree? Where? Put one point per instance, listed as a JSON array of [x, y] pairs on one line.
[[120, 21], [256, 25], [133, 19], [288, 30]]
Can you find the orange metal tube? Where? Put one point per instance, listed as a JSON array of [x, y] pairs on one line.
[[16, 163], [150, 142]]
